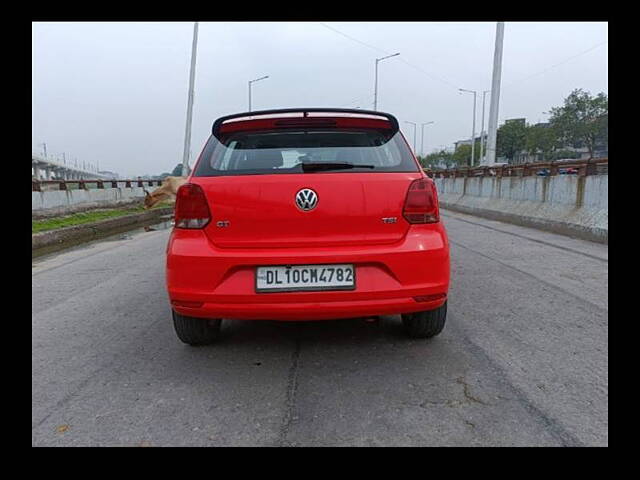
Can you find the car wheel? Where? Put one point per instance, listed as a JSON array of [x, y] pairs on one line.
[[196, 331], [425, 324]]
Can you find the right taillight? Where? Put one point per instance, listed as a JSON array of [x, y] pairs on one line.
[[421, 204], [192, 209]]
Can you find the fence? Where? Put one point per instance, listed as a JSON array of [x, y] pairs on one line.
[[37, 185], [594, 166]]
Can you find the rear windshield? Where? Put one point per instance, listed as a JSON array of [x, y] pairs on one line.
[[305, 151]]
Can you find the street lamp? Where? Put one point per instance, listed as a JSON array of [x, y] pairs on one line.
[[495, 95], [375, 91], [252, 81], [482, 136], [473, 130], [414, 135], [422, 136], [187, 130]]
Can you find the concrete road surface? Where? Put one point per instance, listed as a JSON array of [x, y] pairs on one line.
[[522, 360]]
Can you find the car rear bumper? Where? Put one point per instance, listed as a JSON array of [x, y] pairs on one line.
[[309, 311], [209, 282]]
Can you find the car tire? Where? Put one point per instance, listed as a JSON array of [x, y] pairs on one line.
[[196, 331], [425, 324]]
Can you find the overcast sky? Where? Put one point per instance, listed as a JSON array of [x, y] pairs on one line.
[[116, 93]]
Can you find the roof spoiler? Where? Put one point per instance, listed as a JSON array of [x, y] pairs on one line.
[[217, 125]]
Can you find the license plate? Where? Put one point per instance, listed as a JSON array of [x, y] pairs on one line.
[[292, 278]]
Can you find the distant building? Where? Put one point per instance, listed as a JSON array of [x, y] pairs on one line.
[[461, 142], [468, 140]]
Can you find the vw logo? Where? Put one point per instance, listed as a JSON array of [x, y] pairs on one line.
[[306, 199]]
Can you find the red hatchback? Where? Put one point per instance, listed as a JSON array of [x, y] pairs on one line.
[[307, 214]]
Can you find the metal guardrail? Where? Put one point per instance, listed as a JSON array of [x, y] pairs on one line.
[[592, 166], [36, 185]]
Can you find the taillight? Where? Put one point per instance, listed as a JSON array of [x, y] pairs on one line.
[[192, 209], [421, 204]]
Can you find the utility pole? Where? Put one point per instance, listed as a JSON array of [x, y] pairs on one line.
[[375, 88], [482, 135], [192, 72], [495, 95], [250, 83], [414, 136], [422, 137], [473, 128]]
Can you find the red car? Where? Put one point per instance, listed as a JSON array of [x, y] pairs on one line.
[[307, 214]]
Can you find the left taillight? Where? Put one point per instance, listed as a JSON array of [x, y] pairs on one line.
[[192, 208]]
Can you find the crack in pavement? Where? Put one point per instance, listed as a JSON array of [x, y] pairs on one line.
[[467, 394], [456, 403], [471, 424], [552, 425], [290, 401]]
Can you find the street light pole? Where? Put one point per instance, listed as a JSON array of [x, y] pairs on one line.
[[375, 90], [250, 82], [482, 136], [422, 136], [414, 135], [192, 72], [495, 95], [473, 128]]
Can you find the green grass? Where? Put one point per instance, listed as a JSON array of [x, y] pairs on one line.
[[84, 217]]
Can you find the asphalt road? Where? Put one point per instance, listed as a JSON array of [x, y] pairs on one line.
[[523, 359]]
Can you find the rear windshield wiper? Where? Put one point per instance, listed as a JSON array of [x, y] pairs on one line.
[[311, 167]]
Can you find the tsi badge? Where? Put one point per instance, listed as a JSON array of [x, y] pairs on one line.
[[389, 219]]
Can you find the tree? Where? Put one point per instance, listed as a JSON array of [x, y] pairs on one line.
[[437, 159], [511, 139], [583, 119], [476, 155], [564, 154], [177, 171], [462, 155], [543, 139]]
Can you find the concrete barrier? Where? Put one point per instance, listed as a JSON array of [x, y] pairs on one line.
[[71, 201], [568, 204]]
